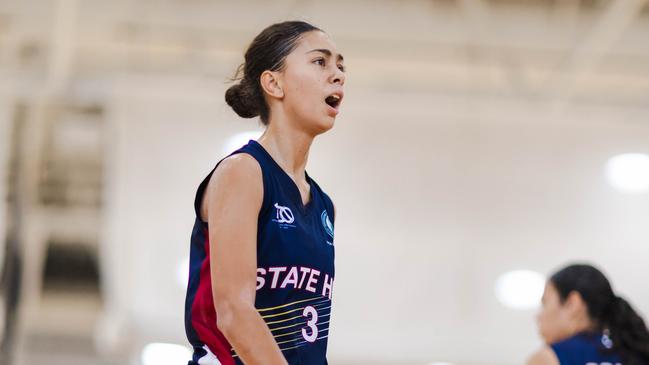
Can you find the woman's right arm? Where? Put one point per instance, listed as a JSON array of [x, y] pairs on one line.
[[233, 199]]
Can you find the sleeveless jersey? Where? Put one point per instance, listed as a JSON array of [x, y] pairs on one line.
[[585, 349], [295, 271]]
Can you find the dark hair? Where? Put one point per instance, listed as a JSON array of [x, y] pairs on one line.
[[266, 52], [626, 329]]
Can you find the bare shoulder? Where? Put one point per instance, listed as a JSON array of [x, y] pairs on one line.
[[238, 166], [544, 356], [238, 176], [239, 173]]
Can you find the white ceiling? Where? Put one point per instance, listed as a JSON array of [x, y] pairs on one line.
[[553, 51]]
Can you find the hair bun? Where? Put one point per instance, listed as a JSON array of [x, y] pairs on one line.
[[241, 98]]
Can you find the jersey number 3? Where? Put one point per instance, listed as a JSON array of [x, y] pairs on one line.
[[312, 316]]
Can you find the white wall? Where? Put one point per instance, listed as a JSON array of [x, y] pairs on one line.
[[434, 200]]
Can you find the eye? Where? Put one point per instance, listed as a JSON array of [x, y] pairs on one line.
[[342, 68], [319, 61]]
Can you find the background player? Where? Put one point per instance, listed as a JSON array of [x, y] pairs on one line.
[[584, 322]]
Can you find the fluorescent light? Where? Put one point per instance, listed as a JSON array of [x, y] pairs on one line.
[[165, 354], [238, 140], [629, 172], [520, 289]]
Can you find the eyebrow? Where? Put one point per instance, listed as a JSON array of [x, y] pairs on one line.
[[327, 52]]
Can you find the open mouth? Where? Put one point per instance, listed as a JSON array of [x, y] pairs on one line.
[[333, 100]]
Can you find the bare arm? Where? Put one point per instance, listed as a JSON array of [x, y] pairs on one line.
[[233, 200], [544, 356]]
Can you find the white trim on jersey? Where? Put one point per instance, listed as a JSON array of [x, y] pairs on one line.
[[209, 358]]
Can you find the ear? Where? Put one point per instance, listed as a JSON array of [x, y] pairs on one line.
[[574, 302], [271, 84]]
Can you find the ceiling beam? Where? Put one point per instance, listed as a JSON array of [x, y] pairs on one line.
[[588, 55]]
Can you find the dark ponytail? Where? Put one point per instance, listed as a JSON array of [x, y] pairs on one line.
[[613, 315], [267, 51], [628, 330]]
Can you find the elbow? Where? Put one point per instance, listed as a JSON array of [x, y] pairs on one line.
[[229, 314], [225, 316]]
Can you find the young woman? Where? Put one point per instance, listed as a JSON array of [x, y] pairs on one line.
[[262, 252], [583, 322]]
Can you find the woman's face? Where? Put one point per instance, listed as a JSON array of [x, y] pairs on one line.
[[555, 319], [312, 81]]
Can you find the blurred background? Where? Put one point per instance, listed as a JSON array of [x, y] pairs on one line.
[[482, 144]]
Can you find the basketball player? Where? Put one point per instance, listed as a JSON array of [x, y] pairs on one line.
[[583, 322], [262, 247]]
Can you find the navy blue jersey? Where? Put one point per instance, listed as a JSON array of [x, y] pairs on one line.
[[295, 271], [585, 349]]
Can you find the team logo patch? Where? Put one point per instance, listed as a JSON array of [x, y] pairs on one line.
[[326, 223], [284, 216]]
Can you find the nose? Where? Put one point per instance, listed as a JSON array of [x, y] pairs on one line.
[[338, 77]]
